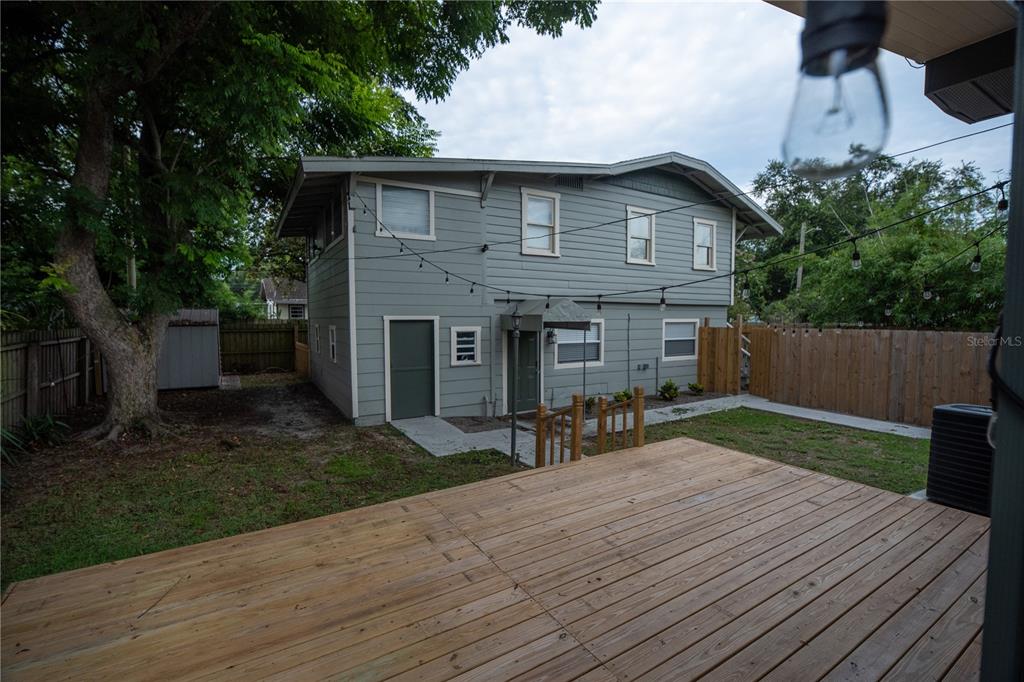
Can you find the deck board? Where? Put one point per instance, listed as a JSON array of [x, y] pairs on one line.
[[672, 561]]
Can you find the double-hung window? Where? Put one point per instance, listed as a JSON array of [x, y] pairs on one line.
[[575, 346], [405, 212], [679, 339], [639, 236], [332, 342], [703, 244], [540, 223], [465, 346]]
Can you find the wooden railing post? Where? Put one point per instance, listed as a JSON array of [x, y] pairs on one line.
[[602, 423], [638, 417], [576, 449], [541, 444]]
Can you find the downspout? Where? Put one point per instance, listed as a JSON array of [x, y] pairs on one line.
[[352, 336]]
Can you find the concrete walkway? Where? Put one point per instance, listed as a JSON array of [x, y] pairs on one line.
[[440, 438]]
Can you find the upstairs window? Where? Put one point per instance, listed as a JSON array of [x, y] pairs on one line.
[[465, 346], [679, 339], [405, 212], [639, 236], [703, 245], [540, 223], [573, 346]]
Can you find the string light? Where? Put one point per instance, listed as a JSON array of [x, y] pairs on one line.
[[976, 262], [446, 277], [1003, 203], [547, 303], [745, 293], [421, 263], [855, 259], [661, 303], [401, 247], [508, 296], [599, 301], [471, 285], [927, 293]]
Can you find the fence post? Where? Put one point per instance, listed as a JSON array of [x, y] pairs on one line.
[[82, 383], [541, 444], [32, 379], [602, 423], [738, 355], [638, 417], [576, 449]]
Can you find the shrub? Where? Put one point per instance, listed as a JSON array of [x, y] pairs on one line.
[[590, 403], [668, 390], [623, 395], [10, 446], [696, 389], [43, 430]]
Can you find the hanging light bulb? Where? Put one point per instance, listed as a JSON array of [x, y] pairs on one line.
[[599, 301], [840, 116], [855, 259], [927, 293], [745, 293], [1003, 203], [888, 311], [547, 304], [508, 296], [421, 263], [976, 262], [446, 277], [661, 303], [401, 247], [471, 285]]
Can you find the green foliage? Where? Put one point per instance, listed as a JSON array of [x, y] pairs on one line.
[[204, 137], [11, 446], [896, 262], [695, 388], [668, 390], [43, 431], [623, 395], [590, 403]]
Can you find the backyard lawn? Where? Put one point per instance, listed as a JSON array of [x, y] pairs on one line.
[[882, 460], [234, 461]]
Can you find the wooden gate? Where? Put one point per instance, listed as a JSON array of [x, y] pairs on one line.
[[719, 352]]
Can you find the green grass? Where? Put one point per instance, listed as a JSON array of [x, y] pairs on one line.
[[75, 506], [882, 460]]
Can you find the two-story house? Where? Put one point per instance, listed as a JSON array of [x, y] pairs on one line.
[[416, 267]]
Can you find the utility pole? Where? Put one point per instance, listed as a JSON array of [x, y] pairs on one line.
[[800, 268]]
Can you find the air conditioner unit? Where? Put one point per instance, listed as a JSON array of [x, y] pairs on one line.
[[960, 461]]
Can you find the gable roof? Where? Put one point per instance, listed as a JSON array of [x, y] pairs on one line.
[[282, 290], [315, 181]]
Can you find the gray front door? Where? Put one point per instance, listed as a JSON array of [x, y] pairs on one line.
[[529, 371], [412, 368]]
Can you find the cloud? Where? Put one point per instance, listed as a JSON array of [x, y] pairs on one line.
[[713, 81]]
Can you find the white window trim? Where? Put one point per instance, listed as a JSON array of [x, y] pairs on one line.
[[526, 250], [650, 214], [381, 232], [332, 342], [476, 351], [696, 341], [316, 338], [388, 319], [600, 352], [714, 244]]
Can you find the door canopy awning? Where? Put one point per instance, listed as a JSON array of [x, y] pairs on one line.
[[558, 313]]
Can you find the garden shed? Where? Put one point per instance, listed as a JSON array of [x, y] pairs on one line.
[[190, 357]]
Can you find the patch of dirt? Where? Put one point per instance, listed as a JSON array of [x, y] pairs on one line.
[[478, 424]]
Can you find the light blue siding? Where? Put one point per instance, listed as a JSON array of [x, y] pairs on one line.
[[592, 261]]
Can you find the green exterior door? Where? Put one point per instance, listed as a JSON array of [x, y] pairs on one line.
[[412, 368], [528, 395]]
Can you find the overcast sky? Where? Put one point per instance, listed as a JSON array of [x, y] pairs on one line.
[[714, 81]]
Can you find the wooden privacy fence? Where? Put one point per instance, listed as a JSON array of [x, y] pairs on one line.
[[301, 353], [606, 412], [552, 428], [44, 372], [257, 345], [719, 351], [895, 375]]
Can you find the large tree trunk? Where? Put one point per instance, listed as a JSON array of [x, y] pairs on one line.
[[129, 349]]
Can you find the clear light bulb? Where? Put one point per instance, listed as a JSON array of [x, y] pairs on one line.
[[927, 294], [840, 117], [976, 263], [855, 261], [746, 293], [888, 311]]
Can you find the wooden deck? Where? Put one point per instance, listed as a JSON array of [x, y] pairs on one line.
[[672, 562]]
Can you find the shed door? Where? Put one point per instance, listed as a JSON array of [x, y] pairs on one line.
[[412, 368]]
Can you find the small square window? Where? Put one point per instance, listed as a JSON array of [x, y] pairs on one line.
[[679, 339], [465, 346]]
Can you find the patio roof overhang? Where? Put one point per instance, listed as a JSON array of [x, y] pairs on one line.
[[563, 313]]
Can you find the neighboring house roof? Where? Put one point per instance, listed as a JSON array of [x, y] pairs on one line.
[[282, 290], [314, 182]]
